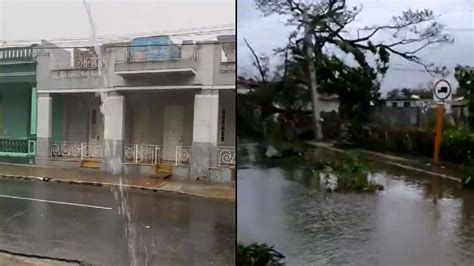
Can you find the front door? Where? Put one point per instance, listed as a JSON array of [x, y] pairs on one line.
[[173, 131], [95, 123]]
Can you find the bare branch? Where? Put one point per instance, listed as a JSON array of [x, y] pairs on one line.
[[261, 70]]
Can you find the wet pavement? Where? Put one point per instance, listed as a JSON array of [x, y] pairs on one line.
[[85, 223], [417, 220], [16, 260], [220, 190]]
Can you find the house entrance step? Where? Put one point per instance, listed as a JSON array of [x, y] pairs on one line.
[[164, 170], [92, 164]]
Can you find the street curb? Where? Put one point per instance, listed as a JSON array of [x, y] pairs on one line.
[[387, 159], [112, 185], [34, 256]]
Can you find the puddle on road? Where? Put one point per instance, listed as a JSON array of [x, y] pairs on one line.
[[416, 220]]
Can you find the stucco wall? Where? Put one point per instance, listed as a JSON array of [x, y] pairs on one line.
[[77, 108], [221, 76], [145, 115], [207, 66], [49, 79]]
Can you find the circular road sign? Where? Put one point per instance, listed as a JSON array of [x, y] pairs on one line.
[[442, 90]]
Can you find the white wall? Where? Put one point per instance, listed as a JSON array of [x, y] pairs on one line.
[[145, 115], [207, 66], [77, 108]]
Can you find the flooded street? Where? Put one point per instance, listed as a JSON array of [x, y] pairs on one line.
[[416, 220]]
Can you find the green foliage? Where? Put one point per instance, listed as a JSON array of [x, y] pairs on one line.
[[457, 145], [249, 119], [423, 93], [258, 255], [352, 173], [465, 77], [350, 164]]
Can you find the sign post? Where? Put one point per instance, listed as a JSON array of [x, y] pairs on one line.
[[442, 91]]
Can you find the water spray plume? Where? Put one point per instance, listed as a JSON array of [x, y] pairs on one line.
[[114, 160]]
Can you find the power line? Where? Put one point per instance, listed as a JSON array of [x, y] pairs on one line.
[[208, 30], [115, 46], [178, 32]]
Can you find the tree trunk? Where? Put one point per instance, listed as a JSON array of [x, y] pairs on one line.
[[318, 135]]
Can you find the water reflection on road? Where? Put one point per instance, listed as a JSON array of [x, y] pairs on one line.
[[417, 220]]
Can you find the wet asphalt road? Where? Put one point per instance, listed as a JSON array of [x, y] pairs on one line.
[[86, 223]]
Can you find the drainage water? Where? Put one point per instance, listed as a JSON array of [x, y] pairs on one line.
[[112, 156]]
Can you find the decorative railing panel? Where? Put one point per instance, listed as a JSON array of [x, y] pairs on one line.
[[75, 59], [16, 54], [68, 151], [148, 154], [76, 151], [86, 59], [140, 154], [226, 156], [168, 154], [14, 145], [92, 151], [183, 155]]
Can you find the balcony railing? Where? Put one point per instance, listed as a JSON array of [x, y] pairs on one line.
[[154, 53], [76, 151], [148, 154], [12, 145], [75, 59], [160, 53], [16, 54], [140, 154]]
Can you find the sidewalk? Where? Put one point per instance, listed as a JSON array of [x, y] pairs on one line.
[[87, 177], [422, 165], [7, 258]]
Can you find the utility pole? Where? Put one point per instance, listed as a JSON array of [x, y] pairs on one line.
[[309, 54]]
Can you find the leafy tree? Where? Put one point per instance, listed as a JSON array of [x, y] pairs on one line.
[[422, 92], [321, 24], [258, 255], [465, 77]]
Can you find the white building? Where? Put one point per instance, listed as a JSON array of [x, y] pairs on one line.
[[158, 106]]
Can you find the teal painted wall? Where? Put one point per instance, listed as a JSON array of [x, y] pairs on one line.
[[57, 133], [9, 73], [34, 111], [15, 109]]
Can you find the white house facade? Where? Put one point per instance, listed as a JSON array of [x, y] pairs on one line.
[[154, 107]]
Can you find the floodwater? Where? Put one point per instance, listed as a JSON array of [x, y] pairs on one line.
[[416, 220]]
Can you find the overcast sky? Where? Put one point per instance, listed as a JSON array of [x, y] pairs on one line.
[[267, 33], [51, 19]]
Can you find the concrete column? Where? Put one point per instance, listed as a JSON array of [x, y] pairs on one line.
[[43, 135], [114, 129], [204, 147]]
